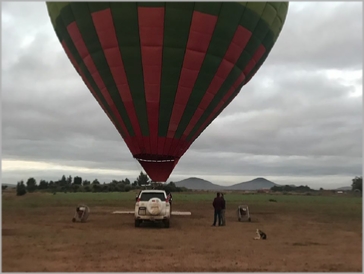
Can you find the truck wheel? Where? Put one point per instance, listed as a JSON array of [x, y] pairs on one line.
[[137, 223], [166, 223]]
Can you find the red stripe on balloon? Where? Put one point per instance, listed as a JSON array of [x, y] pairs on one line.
[[151, 27], [201, 30], [86, 57], [161, 143], [80, 72], [235, 49], [228, 96], [256, 57], [104, 26], [167, 145]]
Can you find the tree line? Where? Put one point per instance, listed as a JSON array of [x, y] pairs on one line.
[[357, 185], [287, 188], [77, 184]]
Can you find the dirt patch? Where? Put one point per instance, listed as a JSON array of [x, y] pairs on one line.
[[9, 232], [307, 244]]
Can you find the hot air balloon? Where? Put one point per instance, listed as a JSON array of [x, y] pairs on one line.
[[163, 71]]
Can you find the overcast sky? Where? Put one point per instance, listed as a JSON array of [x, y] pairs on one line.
[[298, 121]]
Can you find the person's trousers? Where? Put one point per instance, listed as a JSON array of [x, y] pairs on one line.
[[217, 217], [223, 217]]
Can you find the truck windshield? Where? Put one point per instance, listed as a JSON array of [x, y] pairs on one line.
[[146, 196]]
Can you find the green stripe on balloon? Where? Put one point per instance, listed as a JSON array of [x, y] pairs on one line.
[[62, 32], [201, 125], [198, 130], [195, 134], [245, 58], [178, 18], [226, 25], [98, 6], [82, 15], [125, 16], [249, 20]]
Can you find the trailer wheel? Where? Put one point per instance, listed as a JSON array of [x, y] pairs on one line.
[[137, 223]]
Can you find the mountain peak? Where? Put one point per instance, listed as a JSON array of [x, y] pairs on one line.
[[259, 179], [201, 184]]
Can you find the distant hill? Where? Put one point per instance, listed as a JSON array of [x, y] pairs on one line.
[[197, 184], [258, 183], [9, 185], [201, 184]]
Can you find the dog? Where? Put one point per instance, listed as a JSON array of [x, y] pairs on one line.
[[260, 235]]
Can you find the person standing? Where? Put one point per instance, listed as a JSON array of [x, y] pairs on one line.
[[137, 196], [222, 210], [169, 196], [217, 204]]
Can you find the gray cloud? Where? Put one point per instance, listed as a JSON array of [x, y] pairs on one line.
[[324, 35], [308, 115], [291, 121]]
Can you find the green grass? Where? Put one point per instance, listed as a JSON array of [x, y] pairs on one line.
[[36, 200], [329, 206], [324, 209]]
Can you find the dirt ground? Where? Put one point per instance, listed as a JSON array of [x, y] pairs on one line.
[[39, 240]]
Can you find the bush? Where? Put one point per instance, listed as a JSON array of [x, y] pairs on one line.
[[127, 188], [21, 192], [21, 189]]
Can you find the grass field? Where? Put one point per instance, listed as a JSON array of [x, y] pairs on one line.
[[305, 233]]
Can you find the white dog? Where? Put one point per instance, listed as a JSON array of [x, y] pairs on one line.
[[260, 235]]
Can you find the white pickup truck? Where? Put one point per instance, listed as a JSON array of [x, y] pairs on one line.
[[152, 206]]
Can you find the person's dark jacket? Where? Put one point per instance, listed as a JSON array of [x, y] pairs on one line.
[[218, 203]]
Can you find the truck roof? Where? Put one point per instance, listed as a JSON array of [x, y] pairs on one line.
[[153, 191]]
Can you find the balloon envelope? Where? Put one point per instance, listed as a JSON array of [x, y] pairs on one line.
[[163, 71]]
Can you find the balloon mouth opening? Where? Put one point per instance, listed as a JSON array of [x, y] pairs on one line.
[[154, 158]]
